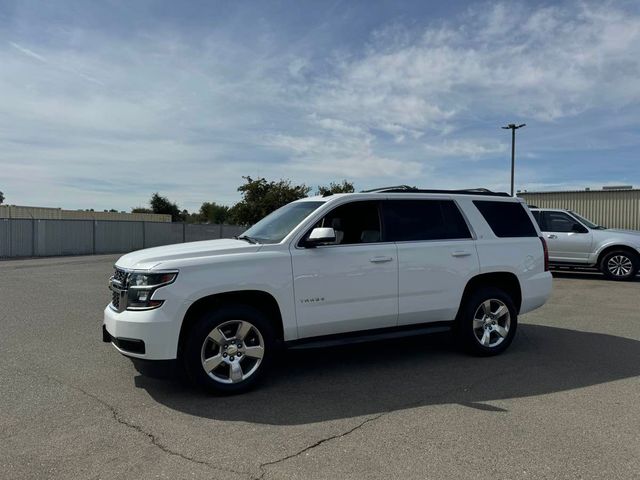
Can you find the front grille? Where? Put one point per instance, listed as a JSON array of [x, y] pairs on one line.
[[119, 276], [115, 300]]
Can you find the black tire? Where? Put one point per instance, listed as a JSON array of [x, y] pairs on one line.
[[195, 348], [613, 265], [467, 335]]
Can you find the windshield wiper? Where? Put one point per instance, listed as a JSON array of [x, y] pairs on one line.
[[247, 238]]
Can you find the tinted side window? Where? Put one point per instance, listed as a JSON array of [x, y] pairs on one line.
[[407, 220], [558, 222], [506, 219], [356, 222]]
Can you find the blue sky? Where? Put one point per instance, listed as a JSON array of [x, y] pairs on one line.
[[103, 103]]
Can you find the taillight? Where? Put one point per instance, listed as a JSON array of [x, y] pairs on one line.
[[546, 254]]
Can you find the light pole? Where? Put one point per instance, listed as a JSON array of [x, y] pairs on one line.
[[513, 127]]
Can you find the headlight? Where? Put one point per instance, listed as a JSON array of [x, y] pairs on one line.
[[142, 286]]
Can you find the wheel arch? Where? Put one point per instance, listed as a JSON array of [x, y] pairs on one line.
[[259, 299], [616, 247], [506, 281]]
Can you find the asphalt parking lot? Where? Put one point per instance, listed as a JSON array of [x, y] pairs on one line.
[[563, 402]]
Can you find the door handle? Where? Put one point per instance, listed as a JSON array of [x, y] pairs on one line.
[[552, 236], [460, 253], [380, 259]]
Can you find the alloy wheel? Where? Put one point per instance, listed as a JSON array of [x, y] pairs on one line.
[[620, 265], [491, 323], [232, 352]]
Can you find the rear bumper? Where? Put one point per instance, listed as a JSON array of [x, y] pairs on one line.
[[536, 290]]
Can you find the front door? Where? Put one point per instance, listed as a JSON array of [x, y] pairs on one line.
[[567, 239], [352, 284]]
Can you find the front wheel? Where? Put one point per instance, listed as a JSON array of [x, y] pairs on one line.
[[229, 349], [487, 322], [619, 265]]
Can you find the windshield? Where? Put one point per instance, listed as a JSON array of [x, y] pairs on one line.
[[277, 225], [587, 222]]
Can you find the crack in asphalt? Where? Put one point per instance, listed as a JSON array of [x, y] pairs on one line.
[[463, 388], [263, 466], [152, 438]]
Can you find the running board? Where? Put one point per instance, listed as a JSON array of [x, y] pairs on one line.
[[368, 336]]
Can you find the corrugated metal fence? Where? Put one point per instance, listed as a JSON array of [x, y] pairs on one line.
[[44, 238], [611, 208]]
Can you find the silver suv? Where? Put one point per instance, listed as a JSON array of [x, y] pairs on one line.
[[575, 241]]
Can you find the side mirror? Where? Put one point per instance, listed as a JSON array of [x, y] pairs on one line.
[[577, 228], [319, 236]]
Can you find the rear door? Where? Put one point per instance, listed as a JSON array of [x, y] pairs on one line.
[[567, 239], [436, 257]]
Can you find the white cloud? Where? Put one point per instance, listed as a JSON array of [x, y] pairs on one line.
[[472, 149], [65, 68], [425, 87], [341, 152], [28, 52], [544, 64]]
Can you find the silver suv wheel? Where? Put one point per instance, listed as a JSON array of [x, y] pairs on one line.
[[491, 323], [620, 265], [232, 352]]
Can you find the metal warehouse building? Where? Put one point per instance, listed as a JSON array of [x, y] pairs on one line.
[[47, 213], [613, 207]]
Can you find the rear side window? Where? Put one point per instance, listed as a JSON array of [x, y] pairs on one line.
[[506, 219], [410, 220]]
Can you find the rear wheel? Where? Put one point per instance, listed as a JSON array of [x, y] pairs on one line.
[[487, 322], [619, 265], [229, 349]]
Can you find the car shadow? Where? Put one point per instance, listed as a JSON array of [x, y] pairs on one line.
[[587, 275], [334, 383]]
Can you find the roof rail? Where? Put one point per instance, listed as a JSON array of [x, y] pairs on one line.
[[408, 189], [386, 189]]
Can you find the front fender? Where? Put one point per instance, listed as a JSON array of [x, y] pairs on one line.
[[268, 272], [595, 256]]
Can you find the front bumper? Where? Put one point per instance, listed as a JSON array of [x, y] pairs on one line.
[[157, 330], [125, 345]]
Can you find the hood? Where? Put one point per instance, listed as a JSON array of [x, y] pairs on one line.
[[633, 233], [154, 257], [613, 235]]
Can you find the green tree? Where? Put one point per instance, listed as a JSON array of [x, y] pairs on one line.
[[342, 187], [1, 198], [163, 205], [141, 210], [192, 217], [211, 212], [260, 198]]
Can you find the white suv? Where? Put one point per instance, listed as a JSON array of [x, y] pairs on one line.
[[328, 270]]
